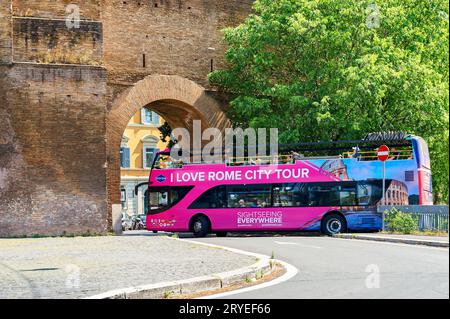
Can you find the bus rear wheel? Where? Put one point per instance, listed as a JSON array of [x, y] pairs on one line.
[[333, 224], [200, 226]]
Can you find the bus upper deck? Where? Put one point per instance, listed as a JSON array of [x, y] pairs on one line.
[[403, 147]]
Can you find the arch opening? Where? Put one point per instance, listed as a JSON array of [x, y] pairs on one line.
[[176, 100]]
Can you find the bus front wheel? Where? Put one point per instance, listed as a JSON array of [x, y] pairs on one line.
[[200, 226], [333, 224]]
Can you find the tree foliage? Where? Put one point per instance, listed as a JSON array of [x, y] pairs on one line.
[[329, 70], [166, 135]]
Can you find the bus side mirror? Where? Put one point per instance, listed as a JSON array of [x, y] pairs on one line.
[[139, 185]]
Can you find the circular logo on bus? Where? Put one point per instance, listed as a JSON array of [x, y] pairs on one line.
[[161, 178]]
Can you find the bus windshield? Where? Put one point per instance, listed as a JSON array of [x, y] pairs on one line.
[[164, 161], [162, 198]]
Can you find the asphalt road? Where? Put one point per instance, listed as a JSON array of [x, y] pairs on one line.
[[342, 268]]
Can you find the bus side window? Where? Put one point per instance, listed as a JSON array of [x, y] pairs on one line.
[[212, 198], [348, 195], [290, 195], [221, 197], [243, 196], [324, 194], [178, 193], [301, 194], [369, 193], [282, 195], [206, 200]]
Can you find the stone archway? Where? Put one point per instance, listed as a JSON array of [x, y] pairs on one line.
[[177, 99]]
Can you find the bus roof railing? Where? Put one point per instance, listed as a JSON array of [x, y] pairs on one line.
[[393, 139], [389, 136], [298, 148]]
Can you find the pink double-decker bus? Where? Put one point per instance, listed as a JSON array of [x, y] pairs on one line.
[[301, 190]]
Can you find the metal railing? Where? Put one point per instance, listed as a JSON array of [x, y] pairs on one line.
[[433, 222], [428, 218], [372, 155]]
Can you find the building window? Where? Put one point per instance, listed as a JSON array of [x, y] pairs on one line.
[[149, 156], [149, 150], [124, 157], [148, 117], [124, 153], [123, 198]]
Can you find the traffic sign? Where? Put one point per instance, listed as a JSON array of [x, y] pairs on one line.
[[383, 153]]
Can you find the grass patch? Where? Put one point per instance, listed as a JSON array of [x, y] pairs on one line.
[[419, 233], [400, 222], [167, 294]]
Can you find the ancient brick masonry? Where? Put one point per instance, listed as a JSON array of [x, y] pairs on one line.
[[50, 41], [52, 150], [67, 94], [5, 32]]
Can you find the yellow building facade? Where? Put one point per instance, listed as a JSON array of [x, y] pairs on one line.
[[140, 143]]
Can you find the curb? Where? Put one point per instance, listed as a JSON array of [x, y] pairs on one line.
[[164, 290], [409, 241]]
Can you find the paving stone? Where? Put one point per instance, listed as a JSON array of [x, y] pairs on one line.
[[85, 266]]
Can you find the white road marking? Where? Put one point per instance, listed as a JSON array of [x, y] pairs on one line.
[[297, 244], [291, 271], [234, 250], [284, 243], [390, 243]]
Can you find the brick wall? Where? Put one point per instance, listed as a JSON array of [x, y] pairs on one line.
[[51, 41], [53, 146], [5, 31], [89, 9], [52, 142], [175, 37]]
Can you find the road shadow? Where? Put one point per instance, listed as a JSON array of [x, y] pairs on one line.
[[276, 234], [230, 234], [146, 233]]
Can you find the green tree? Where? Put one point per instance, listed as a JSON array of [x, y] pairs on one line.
[[329, 70], [166, 135]]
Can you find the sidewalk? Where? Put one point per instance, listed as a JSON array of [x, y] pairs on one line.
[[84, 266], [435, 241]]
